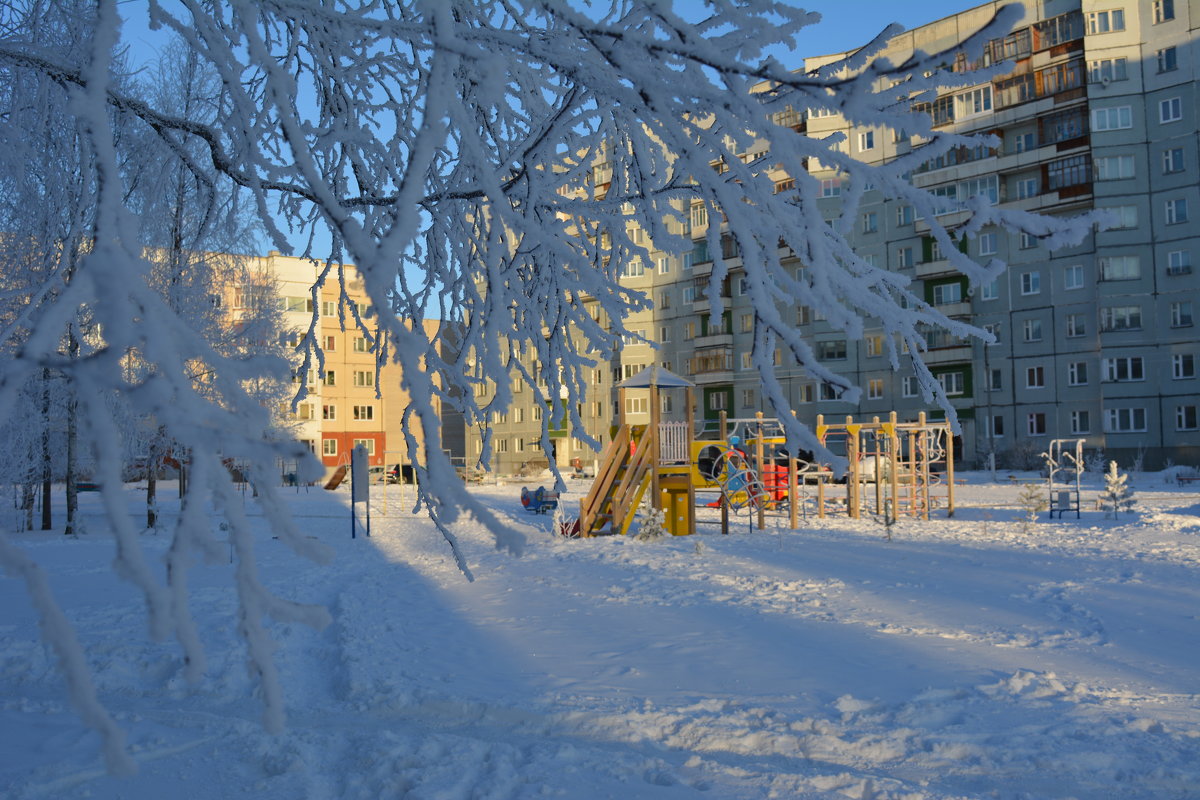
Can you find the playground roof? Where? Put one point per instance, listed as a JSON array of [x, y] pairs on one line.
[[654, 375]]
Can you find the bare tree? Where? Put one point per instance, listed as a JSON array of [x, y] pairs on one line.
[[484, 158]]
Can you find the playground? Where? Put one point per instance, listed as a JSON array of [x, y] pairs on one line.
[[829, 662]]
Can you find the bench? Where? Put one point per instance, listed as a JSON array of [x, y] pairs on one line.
[[1184, 480]]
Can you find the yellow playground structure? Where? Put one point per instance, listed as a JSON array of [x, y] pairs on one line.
[[893, 468]]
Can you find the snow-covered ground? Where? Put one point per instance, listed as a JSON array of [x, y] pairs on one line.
[[969, 658]]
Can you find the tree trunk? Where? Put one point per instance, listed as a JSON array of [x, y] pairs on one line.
[[47, 475], [152, 482], [72, 440]]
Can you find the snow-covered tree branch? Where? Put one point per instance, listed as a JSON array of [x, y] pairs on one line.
[[487, 160]]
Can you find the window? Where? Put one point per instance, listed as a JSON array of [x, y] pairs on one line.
[[1035, 378], [1179, 262], [904, 215], [303, 304], [364, 377], [367, 444], [1125, 420], [1124, 369], [1106, 70], [689, 294], [360, 344], [1172, 160], [304, 411], [994, 329], [1114, 168], [330, 378], [1120, 268], [1028, 241], [1076, 325], [830, 392], [687, 262], [866, 140], [831, 187], [1170, 110], [1121, 318], [874, 345], [946, 293], [1181, 314], [329, 309], [664, 334], [1176, 210], [664, 300], [664, 265], [1183, 365], [329, 447], [716, 401], [875, 389], [904, 257], [633, 269], [1031, 282], [805, 393], [1024, 142], [785, 185], [637, 405], [501, 444], [330, 344], [1112, 118], [870, 222], [748, 398], [1067, 172], [364, 412], [987, 244], [1105, 21], [1185, 418], [990, 291], [997, 427], [1163, 10], [909, 387], [1027, 187], [1168, 59], [1032, 329], [1126, 217], [973, 103], [699, 216], [1077, 374], [995, 380], [833, 350], [1035, 423], [1073, 276], [1081, 422], [329, 412], [952, 383]]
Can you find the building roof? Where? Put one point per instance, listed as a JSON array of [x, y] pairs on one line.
[[654, 375]]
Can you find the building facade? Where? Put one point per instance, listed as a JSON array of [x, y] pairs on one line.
[[1095, 342], [344, 407]]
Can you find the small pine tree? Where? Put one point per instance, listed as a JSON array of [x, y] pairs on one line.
[[652, 522], [1033, 501], [1117, 495]]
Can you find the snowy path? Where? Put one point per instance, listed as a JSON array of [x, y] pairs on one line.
[[963, 659]]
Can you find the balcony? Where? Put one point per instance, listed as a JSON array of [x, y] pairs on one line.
[[962, 309], [715, 339], [947, 355], [712, 364], [932, 269]]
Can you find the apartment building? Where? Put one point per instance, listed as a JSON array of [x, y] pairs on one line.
[[345, 407], [1095, 342]]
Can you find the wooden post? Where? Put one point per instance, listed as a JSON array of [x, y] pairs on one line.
[[924, 465], [654, 441], [950, 470], [761, 467], [724, 505], [878, 471], [820, 475], [852, 485], [793, 489], [894, 463]]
